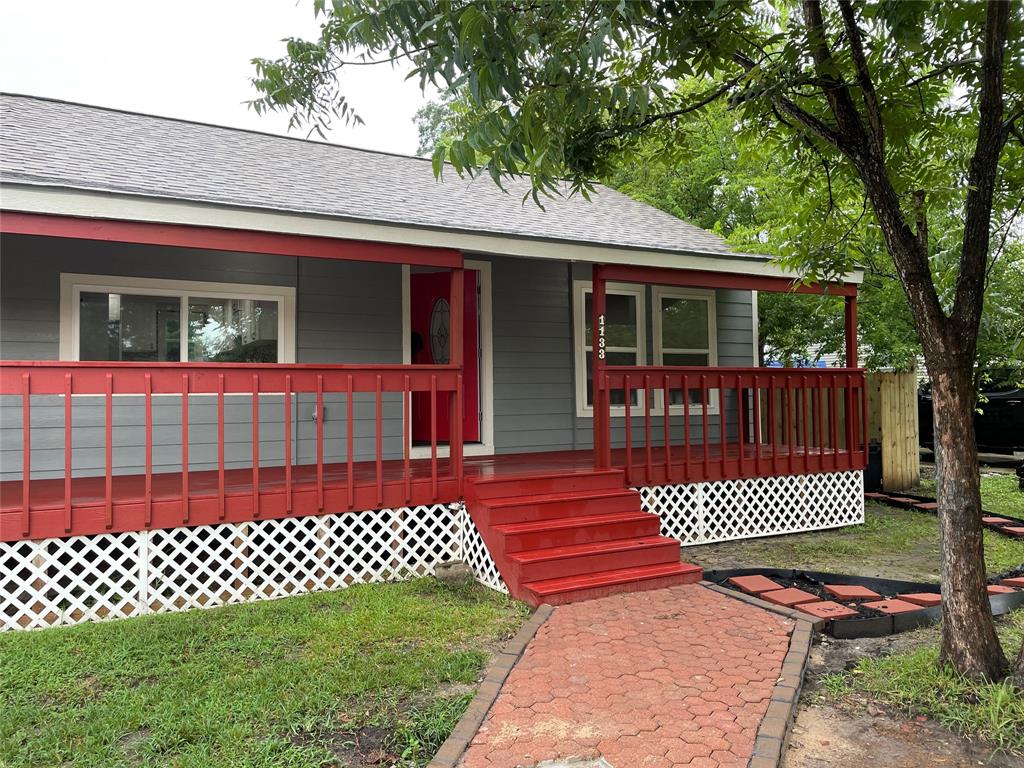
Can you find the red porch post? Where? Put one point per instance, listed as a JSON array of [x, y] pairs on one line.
[[455, 355], [851, 331], [601, 425]]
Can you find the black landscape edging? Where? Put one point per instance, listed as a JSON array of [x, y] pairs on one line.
[[865, 626]]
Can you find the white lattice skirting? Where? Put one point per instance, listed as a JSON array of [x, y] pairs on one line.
[[700, 513], [88, 578]]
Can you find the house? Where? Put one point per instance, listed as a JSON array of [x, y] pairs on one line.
[[239, 366]]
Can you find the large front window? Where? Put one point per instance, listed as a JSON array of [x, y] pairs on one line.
[[684, 335], [145, 320]]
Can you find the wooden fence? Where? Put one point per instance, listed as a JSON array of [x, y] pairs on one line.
[[892, 423]]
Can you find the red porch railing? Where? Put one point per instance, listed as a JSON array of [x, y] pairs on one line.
[[730, 423], [113, 502]]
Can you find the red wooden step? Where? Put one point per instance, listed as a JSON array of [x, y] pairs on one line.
[[555, 482], [577, 530], [521, 509], [578, 559], [575, 588]]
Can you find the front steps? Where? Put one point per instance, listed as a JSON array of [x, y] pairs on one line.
[[560, 538]]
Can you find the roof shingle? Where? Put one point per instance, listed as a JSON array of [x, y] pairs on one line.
[[61, 144]]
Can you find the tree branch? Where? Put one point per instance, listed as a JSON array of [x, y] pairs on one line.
[[922, 219], [860, 61], [981, 180], [693, 107], [942, 69], [835, 89]]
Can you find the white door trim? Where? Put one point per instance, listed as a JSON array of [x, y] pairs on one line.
[[486, 337]]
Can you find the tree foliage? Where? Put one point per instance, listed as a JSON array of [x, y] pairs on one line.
[[901, 121]]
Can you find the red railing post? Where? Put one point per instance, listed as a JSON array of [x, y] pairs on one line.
[[350, 428], [705, 402], [686, 427], [148, 406], [757, 425], [108, 480], [26, 452], [406, 436], [379, 418], [255, 445], [67, 453], [601, 423], [433, 437], [666, 403], [320, 442], [456, 354], [184, 449], [288, 498], [648, 466], [628, 429]]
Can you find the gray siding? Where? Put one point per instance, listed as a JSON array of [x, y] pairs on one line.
[[346, 312]]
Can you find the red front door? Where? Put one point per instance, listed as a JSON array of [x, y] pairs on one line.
[[429, 302]]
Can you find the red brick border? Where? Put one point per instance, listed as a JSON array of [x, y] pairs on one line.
[[458, 741]]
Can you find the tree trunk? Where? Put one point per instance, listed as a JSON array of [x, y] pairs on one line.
[[1018, 669], [969, 641]]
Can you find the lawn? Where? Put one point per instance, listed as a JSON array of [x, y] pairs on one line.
[[912, 683], [892, 543], [999, 494], [343, 678]]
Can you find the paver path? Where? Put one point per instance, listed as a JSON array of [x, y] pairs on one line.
[[674, 677]]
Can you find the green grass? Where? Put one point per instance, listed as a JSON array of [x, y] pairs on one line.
[[893, 543], [999, 494], [913, 683], [281, 683]]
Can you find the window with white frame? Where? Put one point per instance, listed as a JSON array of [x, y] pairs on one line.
[[625, 331], [684, 334], [151, 320]]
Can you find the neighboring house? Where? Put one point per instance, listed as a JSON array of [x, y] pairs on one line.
[[239, 366]]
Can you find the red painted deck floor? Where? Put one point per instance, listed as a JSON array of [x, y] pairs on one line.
[[674, 677], [49, 493]]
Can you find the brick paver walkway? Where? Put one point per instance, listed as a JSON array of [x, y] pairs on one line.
[[674, 677]]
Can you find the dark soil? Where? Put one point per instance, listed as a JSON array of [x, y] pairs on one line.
[[361, 748], [862, 734]]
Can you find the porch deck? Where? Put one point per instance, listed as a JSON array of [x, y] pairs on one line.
[[127, 509]]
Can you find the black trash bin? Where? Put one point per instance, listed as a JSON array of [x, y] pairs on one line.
[[873, 472]]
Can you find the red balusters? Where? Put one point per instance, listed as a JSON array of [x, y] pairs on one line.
[[256, 446], [628, 430], [148, 407], [320, 442], [184, 449], [350, 448], [705, 402], [648, 464], [108, 478], [288, 507], [26, 451], [433, 437], [221, 501], [67, 453], [666, 407], [379, 420]]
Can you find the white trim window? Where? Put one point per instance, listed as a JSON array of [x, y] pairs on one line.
[[684, 322], [625, 329], [136, 319]]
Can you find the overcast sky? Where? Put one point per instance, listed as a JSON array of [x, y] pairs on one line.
[[188, 59]]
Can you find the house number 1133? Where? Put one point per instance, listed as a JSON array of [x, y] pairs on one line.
[[601, 343]]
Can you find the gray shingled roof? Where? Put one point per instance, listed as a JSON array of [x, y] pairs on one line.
[[60, 144]]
